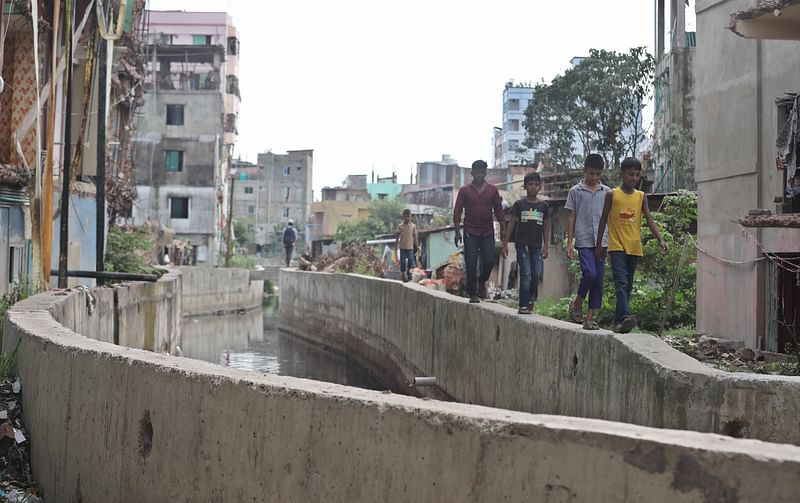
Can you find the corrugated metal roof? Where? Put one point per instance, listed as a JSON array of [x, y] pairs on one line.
[[13, 194]]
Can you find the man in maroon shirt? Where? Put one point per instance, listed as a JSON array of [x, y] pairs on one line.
[[478, 200]]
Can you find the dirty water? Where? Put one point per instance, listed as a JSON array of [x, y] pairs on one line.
[[252, 341]]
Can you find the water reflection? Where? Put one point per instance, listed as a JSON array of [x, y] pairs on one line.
[[251, 341]]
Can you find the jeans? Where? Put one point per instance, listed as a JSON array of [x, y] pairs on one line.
[[530, 261], [473, 247], [289, 249], [592, 270], [406, 263], [623, 266]]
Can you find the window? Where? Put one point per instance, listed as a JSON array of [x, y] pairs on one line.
[[173, 161], [248, 190], [230, 123], [286, 171], [166, 39], [175, 115], [513, 105], [232, 85], [286, 193], [299, 168], [513, 125], [178, 207], [201, 39], [233, 46], [513, 145], [286, 213], [251, 209]]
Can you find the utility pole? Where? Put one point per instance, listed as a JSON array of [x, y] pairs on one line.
[[229, 227], [47, 211], [101, 158], [63, 248]]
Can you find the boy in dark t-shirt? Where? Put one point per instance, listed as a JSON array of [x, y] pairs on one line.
[[530, 220]]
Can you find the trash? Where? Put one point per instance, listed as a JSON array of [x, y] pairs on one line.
[[16, 481]]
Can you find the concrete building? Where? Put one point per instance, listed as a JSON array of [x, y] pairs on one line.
[[673, 96], [442, 172], [353, 188], [384, 188], [746, 277], [188, 126], [288, 190], [511, 137]]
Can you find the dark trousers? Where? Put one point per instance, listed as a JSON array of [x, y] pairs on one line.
[[623, 267], [475, 246], [592, 270], [406, 264], [531, 272], [289, 249]]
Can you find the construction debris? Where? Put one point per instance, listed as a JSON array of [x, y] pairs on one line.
[[356, 257], [16, 481]]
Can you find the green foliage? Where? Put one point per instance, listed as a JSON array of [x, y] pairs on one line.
[[18, 292], [241, 262], [126, 249], [673, 149], [8, 362], [384, 216], [598, 102], [659, 277], [245, 230]]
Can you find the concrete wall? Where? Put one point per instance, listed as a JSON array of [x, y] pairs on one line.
[[736, 124], [218, 290], [488, 355], [109, 423]]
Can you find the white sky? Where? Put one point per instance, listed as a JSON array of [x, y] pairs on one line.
[[368, 83]]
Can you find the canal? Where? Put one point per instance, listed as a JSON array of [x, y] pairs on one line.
[[252, 341]]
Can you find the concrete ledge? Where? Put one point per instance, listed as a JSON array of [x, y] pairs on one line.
[[110, 423], [217, 290], [486, 354]]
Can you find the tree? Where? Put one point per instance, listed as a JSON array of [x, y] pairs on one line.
[[384, 215], [245, 230], [598, 102], [673, 149]]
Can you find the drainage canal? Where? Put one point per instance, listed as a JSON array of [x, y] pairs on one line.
[[252, 341]]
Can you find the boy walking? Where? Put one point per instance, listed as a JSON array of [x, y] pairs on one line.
[[406, 241], [531, 221], [585, 203], [623, 211]]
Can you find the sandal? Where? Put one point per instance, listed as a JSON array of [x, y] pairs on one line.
[[524, 310], [590, 325], [575, 314]]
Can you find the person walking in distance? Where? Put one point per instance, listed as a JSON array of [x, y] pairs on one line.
[[478, 201], [289, 238], [585, 206], [406, 241]]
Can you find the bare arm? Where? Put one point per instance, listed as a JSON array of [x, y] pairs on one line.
[[601, 229], [507, 235], [570, 234], [652, 223], [545, 236], [459, 207]]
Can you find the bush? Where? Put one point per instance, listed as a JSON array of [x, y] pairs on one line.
[[126, 249]]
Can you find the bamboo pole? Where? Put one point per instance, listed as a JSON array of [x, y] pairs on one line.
[[47, 210]]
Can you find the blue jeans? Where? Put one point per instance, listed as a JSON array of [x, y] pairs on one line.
[[406, 263], [623, 266], [473, 247], [530, 261]]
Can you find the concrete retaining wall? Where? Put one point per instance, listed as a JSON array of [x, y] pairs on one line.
[[487, 354], [217, 290], [110, 423]]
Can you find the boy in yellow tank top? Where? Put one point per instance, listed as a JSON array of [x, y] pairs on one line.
[[623, 210]]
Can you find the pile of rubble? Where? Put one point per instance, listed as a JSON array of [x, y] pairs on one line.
[[357, 257], [16, 481], [719, 353]]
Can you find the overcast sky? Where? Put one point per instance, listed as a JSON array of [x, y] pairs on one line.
[[376, 84]]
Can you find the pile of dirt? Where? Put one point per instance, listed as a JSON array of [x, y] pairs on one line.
[[356, 257]]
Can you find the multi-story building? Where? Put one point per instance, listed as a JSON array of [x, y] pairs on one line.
[[188, 127], [286, 193], [509, 141]]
